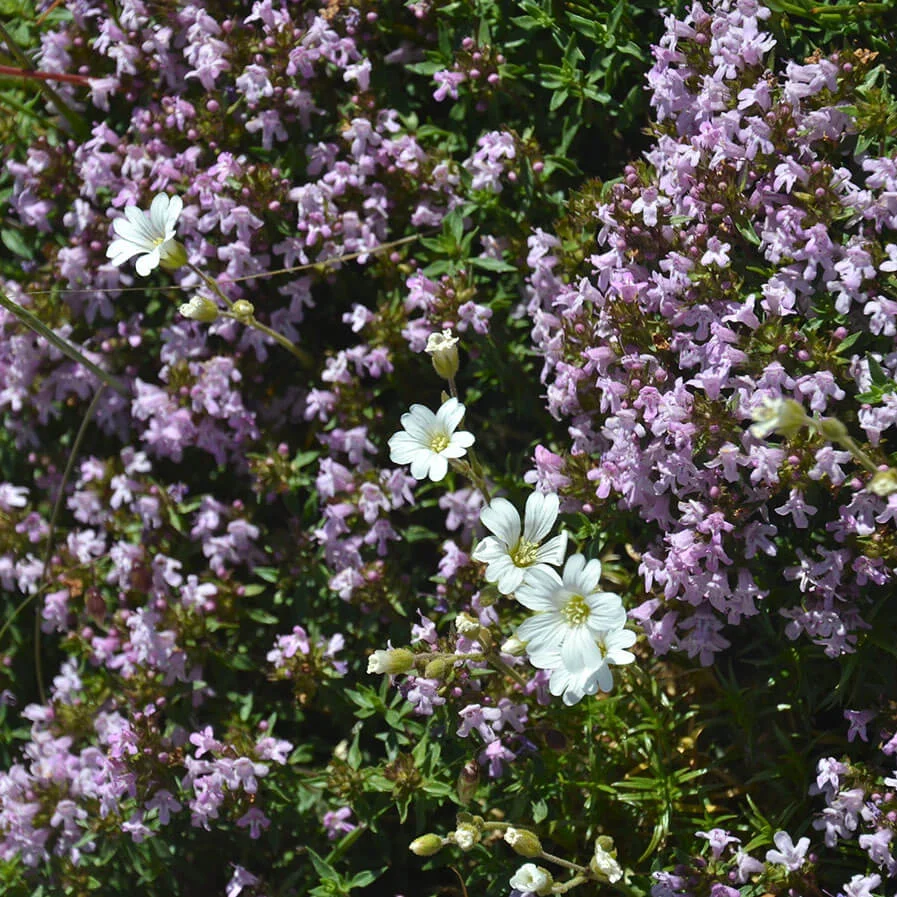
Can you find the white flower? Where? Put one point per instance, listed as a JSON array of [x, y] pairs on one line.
[[783, 416], [789, 855], [443, 349], [391, 661], [604, 864], [510, 557], [148, 235], [572, 616], [532, 879], [429, 440]]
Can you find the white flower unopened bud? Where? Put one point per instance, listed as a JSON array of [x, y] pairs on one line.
[[242, 310], [831, 428], [514, 647], [199, 308], [783, 416], [883, 483], [533, 879], [443, 349], [524, 843], [426, 845], [392, 661]]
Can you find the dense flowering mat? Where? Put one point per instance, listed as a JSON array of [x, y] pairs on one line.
[[453, 427]]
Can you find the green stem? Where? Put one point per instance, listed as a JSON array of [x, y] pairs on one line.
[[581, 870], [304, 358], [51, 533], [67, 349], [574, 882], [858, 454], [496, 661], [211, 283]]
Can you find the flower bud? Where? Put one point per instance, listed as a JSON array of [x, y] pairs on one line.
[[392, 661], [514, 647], [883, 483], [604, 863], [426, 845], [783, 416], [522, 842], [468, 781], [831, 428], [243, 310], [173, 256], [466, 836], [436, 668], [443, 349], [199, 308]]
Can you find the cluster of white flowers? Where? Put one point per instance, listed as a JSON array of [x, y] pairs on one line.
[[576, 631]]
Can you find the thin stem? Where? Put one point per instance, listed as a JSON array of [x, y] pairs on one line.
[[859, 454], [304, 358], [51, 533], [76, 122], [582, 870], [67, 349], [496, 661], [337, 259], [35, 75], [211, 283], [563, 887]]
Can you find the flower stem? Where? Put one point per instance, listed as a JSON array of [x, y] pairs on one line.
[[581, 870], [211, 283]]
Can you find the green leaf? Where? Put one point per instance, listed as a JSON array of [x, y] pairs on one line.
[[15, 242], [490, 264]]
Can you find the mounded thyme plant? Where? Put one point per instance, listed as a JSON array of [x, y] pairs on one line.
[[387, 506]]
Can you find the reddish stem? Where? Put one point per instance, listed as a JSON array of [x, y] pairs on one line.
[[82, 80]]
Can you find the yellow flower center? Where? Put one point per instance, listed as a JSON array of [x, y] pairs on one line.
[[439, 442], [575, 612], [524, 553]]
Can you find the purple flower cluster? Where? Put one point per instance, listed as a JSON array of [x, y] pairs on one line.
[[732, 265]]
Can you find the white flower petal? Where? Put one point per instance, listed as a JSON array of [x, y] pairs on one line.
[[580, 576], [438, 468], [553, 551], [175, 207], [489, 549], [146, 263], [453, 450], [579, 651], [607, 611], [450, 414], [419, 422], [510, 578], [543, 632], [120, 251], [501, 518], [540, 514], [403, 449], [463, 438], [541, 590], [420, 465]]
